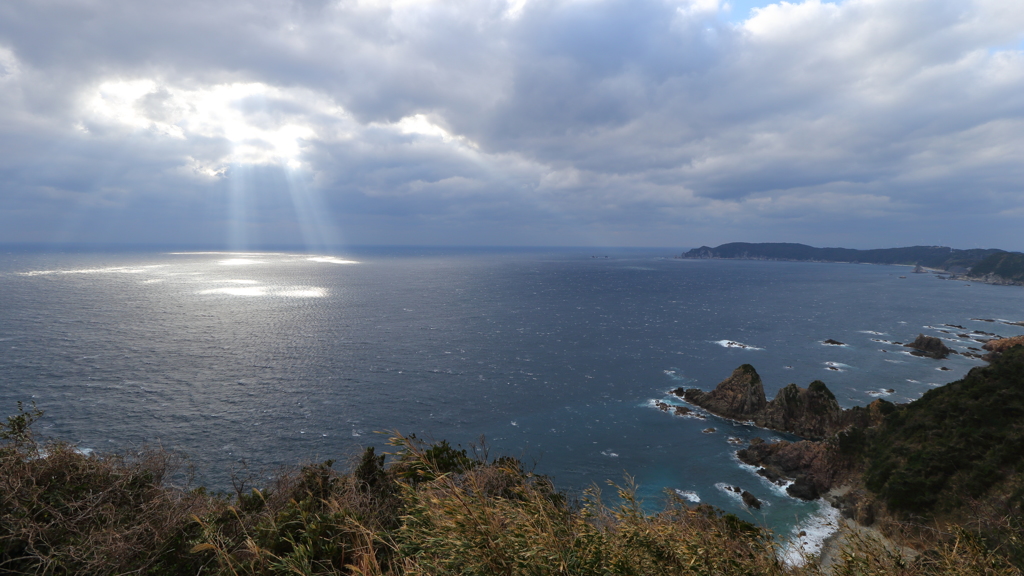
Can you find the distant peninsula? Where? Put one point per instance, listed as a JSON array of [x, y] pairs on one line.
[[989, 265]]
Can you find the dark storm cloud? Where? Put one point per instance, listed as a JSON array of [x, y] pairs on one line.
[[604, 121]]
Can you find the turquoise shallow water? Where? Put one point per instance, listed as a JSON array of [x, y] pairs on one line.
[[555, 356]]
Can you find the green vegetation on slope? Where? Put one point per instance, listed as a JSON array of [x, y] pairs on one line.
[[930, 256], [1009, 265], [955, 443]]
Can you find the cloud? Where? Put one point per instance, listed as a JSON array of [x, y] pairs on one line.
[[503, 122]]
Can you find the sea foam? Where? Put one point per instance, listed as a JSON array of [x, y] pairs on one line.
[[816, 528], [735, 344]]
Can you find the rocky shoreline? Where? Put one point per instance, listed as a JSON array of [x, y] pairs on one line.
[[841, 457], [993, 279]]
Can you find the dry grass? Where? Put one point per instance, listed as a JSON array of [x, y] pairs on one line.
[[431, 511]]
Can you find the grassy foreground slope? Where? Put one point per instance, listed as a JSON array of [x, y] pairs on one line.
[[427, 510]]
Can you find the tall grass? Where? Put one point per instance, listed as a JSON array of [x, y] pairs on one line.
[[425, 509]]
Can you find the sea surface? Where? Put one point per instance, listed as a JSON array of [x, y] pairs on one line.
[[247, 362]]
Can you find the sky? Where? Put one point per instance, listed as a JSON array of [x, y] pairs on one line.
[[676, 123]]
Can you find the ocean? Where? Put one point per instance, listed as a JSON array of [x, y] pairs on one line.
[[247, 362]]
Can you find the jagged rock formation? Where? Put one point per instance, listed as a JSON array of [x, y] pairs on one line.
[[739, 397], [929, 346], [811, 412], [750, 500]]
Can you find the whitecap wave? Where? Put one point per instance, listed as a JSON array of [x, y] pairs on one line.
[[778, 489], [735, 344], [688, 495], [816, 529], [872, 332], [729, 491], [609, 454], [836, 366]]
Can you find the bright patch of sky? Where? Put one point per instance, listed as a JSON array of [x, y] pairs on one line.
[[736, 11]]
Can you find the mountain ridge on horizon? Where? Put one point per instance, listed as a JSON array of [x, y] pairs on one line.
[[940, 257]]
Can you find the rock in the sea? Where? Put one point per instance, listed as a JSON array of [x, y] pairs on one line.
[[750, 500], [708, 430], [832, 342], [929, 346], [740, 396], [682, 411], [812, 412]]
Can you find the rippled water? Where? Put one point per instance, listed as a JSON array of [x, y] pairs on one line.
[[553, 355]]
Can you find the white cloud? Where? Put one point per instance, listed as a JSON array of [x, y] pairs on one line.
[[609, 114]]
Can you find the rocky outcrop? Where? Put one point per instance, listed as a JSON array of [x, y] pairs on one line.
[[810, 412], [750, 500], [1000, 345], [867, 416], [929, 346], [739, 397], [812, 466]]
